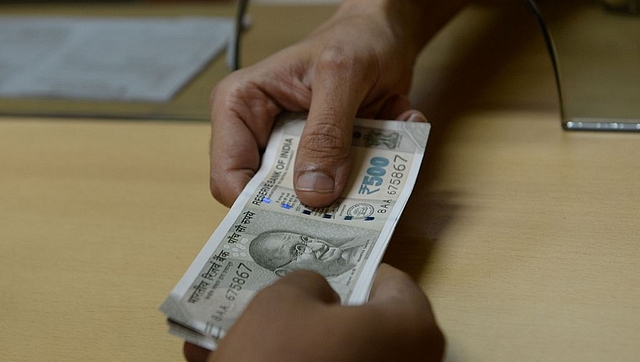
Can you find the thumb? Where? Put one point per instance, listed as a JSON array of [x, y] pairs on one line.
[[322, 163], [299, 286], [274, 319]]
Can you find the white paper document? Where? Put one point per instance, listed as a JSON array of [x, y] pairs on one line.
[[123, 59]]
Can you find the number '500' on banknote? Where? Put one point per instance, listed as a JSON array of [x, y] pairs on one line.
[[268, 232]]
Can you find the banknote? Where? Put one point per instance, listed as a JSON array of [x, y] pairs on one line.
[[268, 232]]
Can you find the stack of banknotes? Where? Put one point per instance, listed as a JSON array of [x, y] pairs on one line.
[[268, 232]]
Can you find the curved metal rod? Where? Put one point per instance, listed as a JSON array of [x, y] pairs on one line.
[[233, 60], [552, 50]]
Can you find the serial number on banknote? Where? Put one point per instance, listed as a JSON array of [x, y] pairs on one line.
[[243, 272]]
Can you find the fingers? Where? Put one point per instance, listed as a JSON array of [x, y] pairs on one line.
[[233, 162], [340, 83], [286, 320], [397, 297], [193, 353], [391, 283], [398, 107], [241, 120], [300, 285], [412, 115], [276, 321], [394, 106]]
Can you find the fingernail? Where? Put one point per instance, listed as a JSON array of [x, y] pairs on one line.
[[316, 182], [417, 117]]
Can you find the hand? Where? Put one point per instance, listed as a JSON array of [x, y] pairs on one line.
[[299, 318], [359, 63]]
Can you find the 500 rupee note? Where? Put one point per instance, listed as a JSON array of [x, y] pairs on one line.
[[268, 232]]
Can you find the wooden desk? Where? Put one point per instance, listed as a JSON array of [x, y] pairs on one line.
[[524, 236]]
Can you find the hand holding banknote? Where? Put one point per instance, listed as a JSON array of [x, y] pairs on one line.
[[299, 318], [359, 63]]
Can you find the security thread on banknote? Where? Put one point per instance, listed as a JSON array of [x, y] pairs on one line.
[[268, 232]]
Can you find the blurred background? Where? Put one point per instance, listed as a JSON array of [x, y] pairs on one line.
[[26, 47]]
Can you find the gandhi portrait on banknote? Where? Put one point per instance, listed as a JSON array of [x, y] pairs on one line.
[[285, 251]]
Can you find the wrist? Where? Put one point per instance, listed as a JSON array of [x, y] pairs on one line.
[[401, 17], [414, 22]]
